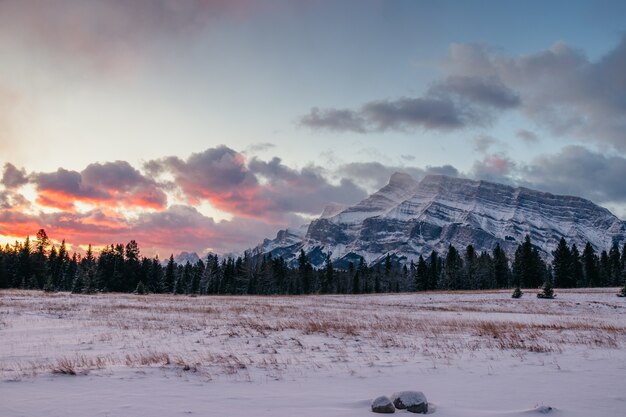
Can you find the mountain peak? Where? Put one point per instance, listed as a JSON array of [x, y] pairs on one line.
[[402, 179], [407, 218]]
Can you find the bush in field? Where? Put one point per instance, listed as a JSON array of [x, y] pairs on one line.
[[517, 293], [547, 290], [141, 289]]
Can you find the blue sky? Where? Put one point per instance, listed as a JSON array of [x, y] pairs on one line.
[[125, 109]]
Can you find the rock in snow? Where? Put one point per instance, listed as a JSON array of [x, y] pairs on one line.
[[383, 405], [413, 401], [407, 218]]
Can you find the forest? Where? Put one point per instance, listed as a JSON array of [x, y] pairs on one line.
[[41, 265]]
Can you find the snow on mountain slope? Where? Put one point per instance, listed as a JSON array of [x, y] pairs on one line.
[[407, 218]]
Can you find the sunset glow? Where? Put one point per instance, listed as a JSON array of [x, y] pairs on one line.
[[210, 125]]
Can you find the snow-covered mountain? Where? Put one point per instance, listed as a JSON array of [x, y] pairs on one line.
[[407, 218]]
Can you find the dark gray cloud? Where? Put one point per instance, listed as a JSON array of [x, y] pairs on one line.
[[253, 188], [409, 113], [488, 91], [452, 103], [339, 120], [561, 89], [13, 177], [215, 170], [578, 171], [306, 190], [112, 183], [527, 136]]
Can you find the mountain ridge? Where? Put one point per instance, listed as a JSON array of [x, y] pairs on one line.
[[407, 218]]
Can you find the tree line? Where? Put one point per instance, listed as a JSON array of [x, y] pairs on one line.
[[121, 268]]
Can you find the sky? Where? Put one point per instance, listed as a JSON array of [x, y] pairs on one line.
[[208, 125]]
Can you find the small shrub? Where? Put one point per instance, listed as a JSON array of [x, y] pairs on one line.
[[547, 290]]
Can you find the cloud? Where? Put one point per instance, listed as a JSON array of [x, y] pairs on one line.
[[109, 35], [115, 184], [401, 114], [13, 177], [494, 167], [483, 142], [488, 91], [376, 175], [453, 103], [303, 191], [339, 120], [178, 228], [561, 89], [578, 171], [258, 189], [527, 136]]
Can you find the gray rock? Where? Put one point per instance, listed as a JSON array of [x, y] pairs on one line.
[[383, 405], [413, 401]]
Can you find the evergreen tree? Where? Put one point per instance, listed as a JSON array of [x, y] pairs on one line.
[[547, 290], [562, 265], [485, 272], [88, 272], [170, 276], [421, 275], [24, 271], [452, 269], [517, 293], [470, 265], [131, 268], [528, 267], [434, 266], [141, 289], [615, 263], [604, 269], [501, 270], [328, 280], [591, 274], [577, 268], [196, 275]]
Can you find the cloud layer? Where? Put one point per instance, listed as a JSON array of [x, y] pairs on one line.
[[559, 89], [453, 103], [159, 204]]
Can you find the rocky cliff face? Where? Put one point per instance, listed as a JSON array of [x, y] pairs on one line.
[[407, 218]]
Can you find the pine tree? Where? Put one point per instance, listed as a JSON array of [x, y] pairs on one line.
[[170, 276], [434, 273], [591, 275], [517, 293], [421, 275], [562, 265], [577, 268], [141, 289], [452, 269], [615, 265], [306, 272], [470, 266], [547, 291], [528, 267], [501, 270], [328, 280]]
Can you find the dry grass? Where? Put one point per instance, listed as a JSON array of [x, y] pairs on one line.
[[237, 336]]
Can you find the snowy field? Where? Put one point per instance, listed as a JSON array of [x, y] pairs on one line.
[[472, 354]]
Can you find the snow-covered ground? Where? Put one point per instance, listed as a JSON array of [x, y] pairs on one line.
[[471, 353]]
